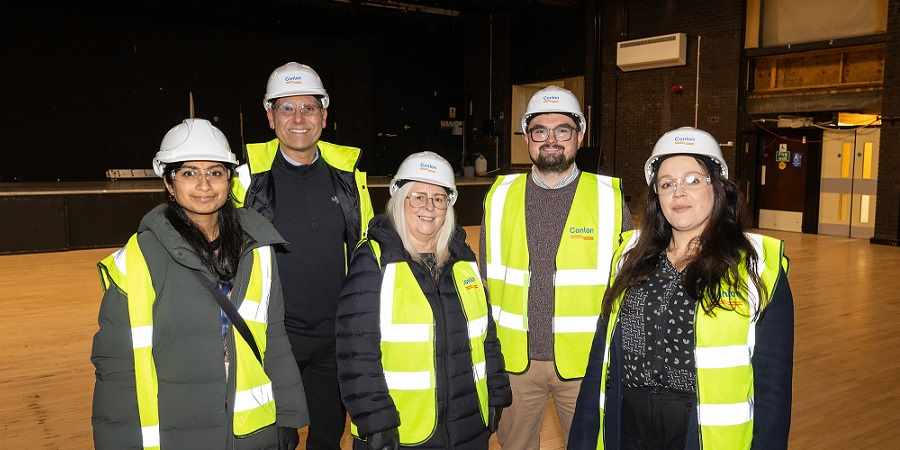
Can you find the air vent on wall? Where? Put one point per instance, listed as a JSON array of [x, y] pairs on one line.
[[652, 52]]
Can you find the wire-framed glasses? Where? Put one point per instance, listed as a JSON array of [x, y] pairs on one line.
[[420, 200], [289, 109], [215, 174], [691, 181]]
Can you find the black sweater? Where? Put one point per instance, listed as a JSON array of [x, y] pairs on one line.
[[361, 376], [312, 262]]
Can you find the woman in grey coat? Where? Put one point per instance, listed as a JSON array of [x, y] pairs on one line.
[[191, 352]]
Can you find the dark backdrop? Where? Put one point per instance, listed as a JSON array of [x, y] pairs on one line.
[[90, 89]]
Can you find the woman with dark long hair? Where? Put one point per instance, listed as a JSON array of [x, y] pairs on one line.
[[191, 352], [694, 349]]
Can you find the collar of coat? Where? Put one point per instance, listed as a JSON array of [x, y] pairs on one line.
[[259, 230], [382, 230]]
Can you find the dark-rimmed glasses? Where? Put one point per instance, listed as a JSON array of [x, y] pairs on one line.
[[561, 133]]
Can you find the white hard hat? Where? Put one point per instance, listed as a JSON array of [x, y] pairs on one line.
[[427, 167], [553, 99], [686, 141], [294, 79], [192, 140]]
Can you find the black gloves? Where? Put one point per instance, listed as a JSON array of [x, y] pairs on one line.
[[384, 440], [288, 439], [494, 413]]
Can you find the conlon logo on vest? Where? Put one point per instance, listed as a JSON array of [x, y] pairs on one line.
[[471, 283], [731, 300], [583, 233]]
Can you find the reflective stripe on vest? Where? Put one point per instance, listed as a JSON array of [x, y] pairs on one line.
[[254, 401], [254, 406], [723, 351], [470, 290], [407, 345], [340, 157], [582, 268], [240, 184]]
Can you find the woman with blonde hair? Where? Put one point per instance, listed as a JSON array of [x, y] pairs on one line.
[[419, 364]]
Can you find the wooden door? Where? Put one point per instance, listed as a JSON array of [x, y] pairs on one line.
[[865, 183], [782, 188], [837, 175], [849, 180]]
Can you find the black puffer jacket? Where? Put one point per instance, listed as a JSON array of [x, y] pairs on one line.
[[363, 388]]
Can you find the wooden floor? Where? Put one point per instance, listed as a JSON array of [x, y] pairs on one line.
[[846, 382]]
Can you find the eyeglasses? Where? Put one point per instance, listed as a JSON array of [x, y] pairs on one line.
[[562, 133], [689, 182], [420, 200], [215, 174], [289, 109]]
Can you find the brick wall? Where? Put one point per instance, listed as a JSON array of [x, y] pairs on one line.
[[637, 107], [887, 228]]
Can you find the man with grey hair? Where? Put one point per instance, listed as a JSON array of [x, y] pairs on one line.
[[318, 201]]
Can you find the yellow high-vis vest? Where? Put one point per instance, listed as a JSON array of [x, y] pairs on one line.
[[723, 350], [254, 403], [341, 157], [408, 342], [586, 246]]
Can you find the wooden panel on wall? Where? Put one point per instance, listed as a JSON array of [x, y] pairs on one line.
[[822, 69], [819, 69], [864, 65], [752, 27]]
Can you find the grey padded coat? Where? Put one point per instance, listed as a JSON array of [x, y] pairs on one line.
[[195, 398]]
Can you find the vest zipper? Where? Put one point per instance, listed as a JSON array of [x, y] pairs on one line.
[[526, 294], [349, 206], [471, 349], [697, 378], [443, 412], [621, 395], [232, 348]]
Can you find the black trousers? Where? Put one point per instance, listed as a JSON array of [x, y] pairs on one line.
[[318, 367], [655, 419]]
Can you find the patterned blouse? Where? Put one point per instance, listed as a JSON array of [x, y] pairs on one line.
[[657, 320]]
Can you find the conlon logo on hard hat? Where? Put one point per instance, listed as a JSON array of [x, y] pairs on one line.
[[551, 99], [684, 140], [294, 79], [427, 167]]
